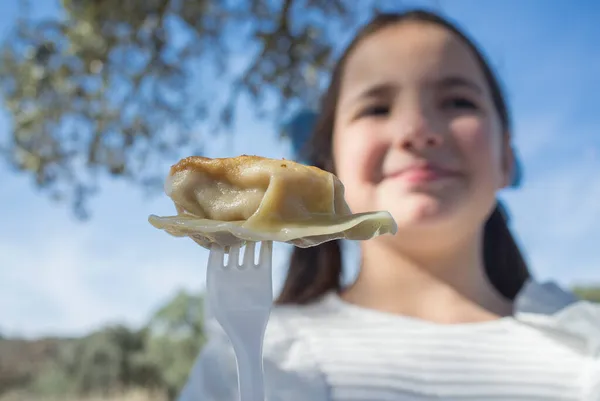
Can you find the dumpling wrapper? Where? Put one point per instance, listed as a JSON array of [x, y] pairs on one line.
[[249, 198]]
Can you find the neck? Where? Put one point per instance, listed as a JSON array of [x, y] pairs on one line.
[[446, 284]]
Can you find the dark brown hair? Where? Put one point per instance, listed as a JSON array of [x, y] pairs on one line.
[[317, 270]]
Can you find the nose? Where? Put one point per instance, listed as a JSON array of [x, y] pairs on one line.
[[415, 133]]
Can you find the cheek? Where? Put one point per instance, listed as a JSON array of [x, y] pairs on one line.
[[357, 158], [480, 143]]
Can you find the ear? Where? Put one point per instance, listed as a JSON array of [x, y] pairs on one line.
[[508, 161]]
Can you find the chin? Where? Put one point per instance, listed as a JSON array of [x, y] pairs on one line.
[[421, 212]]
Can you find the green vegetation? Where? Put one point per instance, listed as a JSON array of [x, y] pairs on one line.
[[114, 360], [588, 292]]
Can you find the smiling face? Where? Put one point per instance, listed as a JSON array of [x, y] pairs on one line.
[[416, 131]]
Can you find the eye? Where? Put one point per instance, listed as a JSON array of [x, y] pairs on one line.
[[459, 103], [375, 110]]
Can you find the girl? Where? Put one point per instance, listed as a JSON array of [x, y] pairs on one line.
[[414, 122]]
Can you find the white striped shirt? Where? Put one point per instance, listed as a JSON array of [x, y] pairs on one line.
[[333, 351]]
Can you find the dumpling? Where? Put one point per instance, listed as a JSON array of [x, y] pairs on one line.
[[252, 198]]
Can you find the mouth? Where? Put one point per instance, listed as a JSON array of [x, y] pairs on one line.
[[419, 173]]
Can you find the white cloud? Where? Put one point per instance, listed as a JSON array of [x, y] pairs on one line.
[[80, 276]]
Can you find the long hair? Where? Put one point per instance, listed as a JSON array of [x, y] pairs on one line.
[[317, 270]]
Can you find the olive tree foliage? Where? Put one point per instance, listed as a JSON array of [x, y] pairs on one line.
[[114, 88]]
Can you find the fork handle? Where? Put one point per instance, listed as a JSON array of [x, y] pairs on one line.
[[251, 381]]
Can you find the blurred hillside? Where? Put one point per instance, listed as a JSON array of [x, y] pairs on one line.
[[112, 363]]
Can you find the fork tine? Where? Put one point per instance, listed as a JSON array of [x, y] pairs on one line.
[[249, 254], [266, 253], [234, 256], [216, 255]]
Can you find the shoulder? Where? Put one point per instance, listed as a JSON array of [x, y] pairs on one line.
[[549, 306], [560, 314]]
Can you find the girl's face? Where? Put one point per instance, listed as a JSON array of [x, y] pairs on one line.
[[416, 132]]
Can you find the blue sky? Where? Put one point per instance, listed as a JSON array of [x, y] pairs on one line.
[[61, 276]]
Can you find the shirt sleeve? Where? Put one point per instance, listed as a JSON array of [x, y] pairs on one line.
[[583, 318], [590, 325], [593, 391], [290, 372], [562, 311]]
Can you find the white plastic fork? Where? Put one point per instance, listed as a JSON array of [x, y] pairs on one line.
[[240, 298]]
